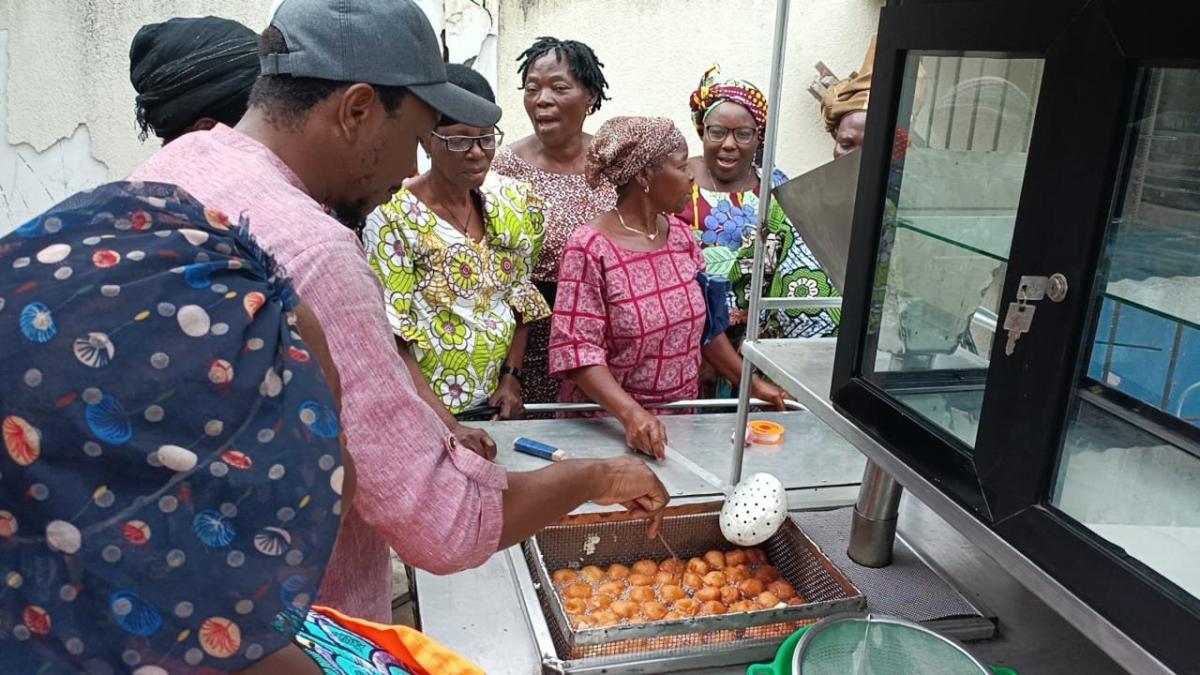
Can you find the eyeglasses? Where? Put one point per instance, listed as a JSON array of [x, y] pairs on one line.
[[741, 135], [465, 143]]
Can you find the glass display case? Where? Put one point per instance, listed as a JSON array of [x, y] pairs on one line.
[[1021, 323]]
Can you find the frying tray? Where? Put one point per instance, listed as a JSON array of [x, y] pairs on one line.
[[605, 538]]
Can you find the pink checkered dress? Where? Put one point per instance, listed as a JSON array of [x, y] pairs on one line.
[[640, 313]]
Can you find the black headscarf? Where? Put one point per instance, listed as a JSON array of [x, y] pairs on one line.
[[187, 68]]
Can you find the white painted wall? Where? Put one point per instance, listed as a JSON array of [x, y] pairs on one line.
[[66, 104], [655, 52]]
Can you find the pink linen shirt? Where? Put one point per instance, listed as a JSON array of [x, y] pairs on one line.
[[437, 505]]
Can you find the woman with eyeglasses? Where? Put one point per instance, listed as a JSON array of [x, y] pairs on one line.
[[454, 257], [731, 118]]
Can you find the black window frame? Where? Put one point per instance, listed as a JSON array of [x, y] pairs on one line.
[[1094, 52]]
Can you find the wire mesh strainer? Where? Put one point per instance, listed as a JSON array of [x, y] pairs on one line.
[[872, 644]]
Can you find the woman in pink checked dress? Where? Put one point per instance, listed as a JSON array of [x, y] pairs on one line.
[[629, 313]]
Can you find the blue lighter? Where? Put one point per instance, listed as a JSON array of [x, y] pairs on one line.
[[529, 446]]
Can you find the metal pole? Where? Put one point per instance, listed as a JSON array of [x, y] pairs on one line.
[[873, 526], [764, 205]]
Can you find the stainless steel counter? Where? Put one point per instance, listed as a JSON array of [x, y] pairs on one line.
[[812, 458], [479, 614]]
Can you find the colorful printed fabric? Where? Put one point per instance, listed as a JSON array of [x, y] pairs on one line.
[[345, 646], [568, 202], [724, 226], [172, 470], [623, 146], [712, 92], [639, 313], [453, 299]]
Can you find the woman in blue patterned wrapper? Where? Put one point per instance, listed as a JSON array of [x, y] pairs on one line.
[[731, 117], [172, 474]]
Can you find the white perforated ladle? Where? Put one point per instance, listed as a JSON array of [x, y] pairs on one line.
[[754, 509]]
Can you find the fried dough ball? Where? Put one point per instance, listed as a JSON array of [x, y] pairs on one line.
[[730, 594], [782, 590], [613, 588], [715, 560], [625, 608], [578, 590], [697, 566], [617, 571], [564, 576], [736, 557], [642, 594], [646, 567], [575, 606], [604, 618], [798, 600], [767, 600], [687, 607], [671, 593], [712, 608], [742, 606], [737, 573], [579, 621], [708, 594], [654, 611], [592, 573], [673, 616], [715, 579], [755, 556], [766, 574], [600, 601], [692, 580], [752, 588], [665, 578], [672, 566], [636, 579]]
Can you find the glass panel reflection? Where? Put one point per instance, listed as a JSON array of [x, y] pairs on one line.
[[1130, 465], [958, 163]]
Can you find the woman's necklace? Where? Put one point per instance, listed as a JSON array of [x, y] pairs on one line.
[[717, 188], [465, 221], [648, 235]]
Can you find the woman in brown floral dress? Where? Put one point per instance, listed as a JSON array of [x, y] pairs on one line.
[[563, 84]]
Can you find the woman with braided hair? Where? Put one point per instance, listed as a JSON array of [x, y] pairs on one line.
[[563, 83]]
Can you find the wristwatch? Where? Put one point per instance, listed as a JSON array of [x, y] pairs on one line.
[[518, 373]]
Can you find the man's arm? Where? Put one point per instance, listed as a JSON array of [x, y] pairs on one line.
[[442, 508]]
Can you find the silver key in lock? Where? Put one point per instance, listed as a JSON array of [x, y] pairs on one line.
[[1017, 322]]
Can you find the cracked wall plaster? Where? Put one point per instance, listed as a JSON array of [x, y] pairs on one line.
[[66, 104]]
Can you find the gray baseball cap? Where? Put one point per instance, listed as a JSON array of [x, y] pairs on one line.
[[380, 42]]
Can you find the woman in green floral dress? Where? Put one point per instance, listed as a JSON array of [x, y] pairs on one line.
[[453, 250]]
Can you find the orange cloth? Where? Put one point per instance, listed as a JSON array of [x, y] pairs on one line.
[[422, 654], [849, 95]]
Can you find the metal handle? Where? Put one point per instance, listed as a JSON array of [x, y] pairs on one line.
[[673, 405]]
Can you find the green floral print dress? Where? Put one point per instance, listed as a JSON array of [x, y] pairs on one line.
[[455, 301]]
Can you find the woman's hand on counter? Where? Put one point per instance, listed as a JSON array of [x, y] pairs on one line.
[[628, 481], [760, 388], [644, 432]]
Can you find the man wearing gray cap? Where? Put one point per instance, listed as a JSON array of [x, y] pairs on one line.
[[349, 87]]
